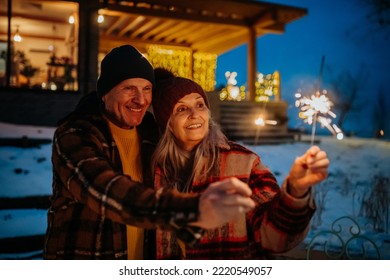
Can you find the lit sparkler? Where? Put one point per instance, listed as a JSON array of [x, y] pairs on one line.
[[261, 122], [317, 109]]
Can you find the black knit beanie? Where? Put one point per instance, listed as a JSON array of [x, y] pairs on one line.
[[122, 63]]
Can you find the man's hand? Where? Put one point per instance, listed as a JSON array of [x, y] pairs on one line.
[[222, 202], [308, 170]]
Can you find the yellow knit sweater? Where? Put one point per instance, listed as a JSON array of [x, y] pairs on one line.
[[129, 150]]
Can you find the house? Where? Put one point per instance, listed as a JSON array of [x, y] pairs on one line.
[[63, 41]]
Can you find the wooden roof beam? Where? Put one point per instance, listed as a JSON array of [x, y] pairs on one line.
[[164, 26], [265, 19], [34, 17], [171, 30], [185, 33], [278, 28], [177, 15], [44, 37], [116, 24], [112, 41], [179, 33], [205, 32], [223, 37], [148, 26], [132, 25], [226, 45]]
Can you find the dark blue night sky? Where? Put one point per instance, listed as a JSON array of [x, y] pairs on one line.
[[350, 43]]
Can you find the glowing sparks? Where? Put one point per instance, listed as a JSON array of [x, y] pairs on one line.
[[260, 121], [317, 108]]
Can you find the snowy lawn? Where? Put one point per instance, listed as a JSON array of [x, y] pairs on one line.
[[357, 186]]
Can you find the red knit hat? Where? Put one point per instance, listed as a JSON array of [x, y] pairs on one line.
[[169, 89]]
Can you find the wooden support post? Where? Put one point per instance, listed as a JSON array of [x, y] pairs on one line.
[[252, 69], [88, 46], [9, 53]]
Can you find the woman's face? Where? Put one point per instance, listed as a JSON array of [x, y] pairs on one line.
[[190, 121]]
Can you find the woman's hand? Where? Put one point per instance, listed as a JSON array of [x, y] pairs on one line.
[[307, 170]]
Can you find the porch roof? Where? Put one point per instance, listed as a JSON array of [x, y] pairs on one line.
[[215, 26]]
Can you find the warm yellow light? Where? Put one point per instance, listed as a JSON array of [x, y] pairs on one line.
[[17, 37], [234, 91], [271, 122], [71, 19], [53, 86], [100, 19], [267, 87], [260, 121], [198, 66]]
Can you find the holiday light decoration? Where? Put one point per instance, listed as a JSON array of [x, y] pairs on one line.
[[316, 108], [232, 91], [177, 60], [267, 87], [204, 68], [198, 66]]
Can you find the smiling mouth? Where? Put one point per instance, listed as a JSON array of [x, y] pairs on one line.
[[196, 125], [136, 110]]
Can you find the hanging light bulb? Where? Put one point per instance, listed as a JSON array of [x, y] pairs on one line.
[[100, 18], [17, 37], [71, 19]]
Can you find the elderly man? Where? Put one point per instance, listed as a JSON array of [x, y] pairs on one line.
[[103, 199]]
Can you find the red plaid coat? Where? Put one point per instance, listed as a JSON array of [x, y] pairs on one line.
[[278, 223]]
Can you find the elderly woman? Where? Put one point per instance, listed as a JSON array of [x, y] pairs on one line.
[[193, 152]]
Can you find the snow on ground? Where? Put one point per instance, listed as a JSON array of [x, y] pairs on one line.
[[357, 165]]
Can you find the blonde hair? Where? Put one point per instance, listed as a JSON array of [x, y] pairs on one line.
[[173, 160]]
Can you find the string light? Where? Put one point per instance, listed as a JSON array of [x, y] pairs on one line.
[[267, 87], [198, 66], [232, 91], [17, 37], [204, 68]]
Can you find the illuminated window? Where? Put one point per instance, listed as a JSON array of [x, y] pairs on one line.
[[44, 45]]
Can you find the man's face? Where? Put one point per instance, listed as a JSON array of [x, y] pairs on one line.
[[190, 121], [128, 101]]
